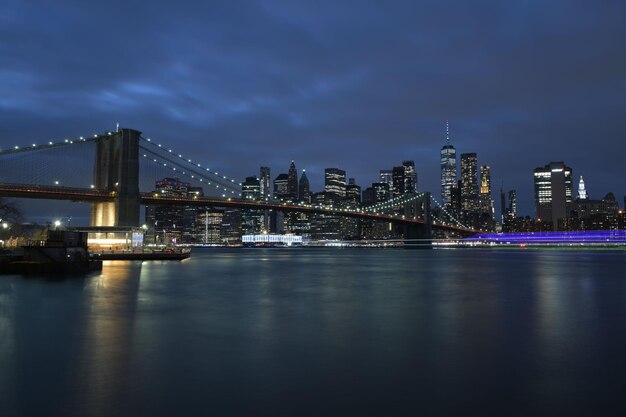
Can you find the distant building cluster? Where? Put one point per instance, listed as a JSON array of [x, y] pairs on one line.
[[557, 207], [466, 200], [190, 225]]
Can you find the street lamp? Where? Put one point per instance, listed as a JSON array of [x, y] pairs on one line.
[[57, 223]]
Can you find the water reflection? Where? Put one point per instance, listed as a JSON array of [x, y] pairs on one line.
[[315, 332], [104, 363]]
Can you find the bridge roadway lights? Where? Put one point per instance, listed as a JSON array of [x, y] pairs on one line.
[[116, 170]]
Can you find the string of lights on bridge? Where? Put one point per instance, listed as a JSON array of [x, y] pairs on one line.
[[191, 162], [204, 180], [50, 144], [450, 216], [398, 201]]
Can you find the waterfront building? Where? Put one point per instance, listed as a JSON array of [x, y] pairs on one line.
[[208, 225], [172, 224], [335, 182], [230, 230], [469, 184], [448, 170], [553, 193], [271, 240], [325, 226], [251, 220], [588, 214]]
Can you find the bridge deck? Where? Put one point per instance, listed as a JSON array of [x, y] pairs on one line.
[[92, 195]]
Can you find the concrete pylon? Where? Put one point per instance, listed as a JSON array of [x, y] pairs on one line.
[[419, 208], [116, 169]]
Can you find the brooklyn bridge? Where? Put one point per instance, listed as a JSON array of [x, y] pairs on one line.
[[119, 182]]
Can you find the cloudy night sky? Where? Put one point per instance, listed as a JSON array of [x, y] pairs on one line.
[[353, 84]]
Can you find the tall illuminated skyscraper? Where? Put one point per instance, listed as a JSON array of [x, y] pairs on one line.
[[582, 192], [386, 177], [486, 203], [410, 177], [512, 210], [335, 182], [448, 169], [266, 193], [553, 192], [265, 183], [469, 184]]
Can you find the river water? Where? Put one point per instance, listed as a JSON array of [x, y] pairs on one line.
[[316, 332]]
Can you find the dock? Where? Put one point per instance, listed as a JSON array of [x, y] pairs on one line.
[[174, 254]]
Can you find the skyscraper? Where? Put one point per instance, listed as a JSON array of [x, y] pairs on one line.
[[281, 187], [380, 192], [553, 192], [469, 184], [582, 192], [292, 183], [304, 192], [398, 181], [410, 177], [512, 210], [251, 189], [335, 182], [266, 191], [251, 220], [172, 224], [353, 192], [448, 169], [486, 203], [386, 176]]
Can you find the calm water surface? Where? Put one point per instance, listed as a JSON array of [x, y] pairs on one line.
[[268, 332]]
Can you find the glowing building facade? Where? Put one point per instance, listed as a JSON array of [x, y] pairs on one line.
[[448, 170], [553, 192]]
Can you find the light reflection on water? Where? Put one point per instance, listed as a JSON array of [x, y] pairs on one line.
[[314, 332]]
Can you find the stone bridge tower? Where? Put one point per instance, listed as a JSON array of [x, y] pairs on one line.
[[116, 169]]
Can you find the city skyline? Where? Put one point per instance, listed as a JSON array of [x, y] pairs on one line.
[[327, 87]]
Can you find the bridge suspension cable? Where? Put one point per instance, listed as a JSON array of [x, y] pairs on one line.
[[190, 173], [450, 216], [200, 172], [394, 202], [47, 145]]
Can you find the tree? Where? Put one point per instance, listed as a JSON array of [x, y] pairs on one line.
[[10, 211]]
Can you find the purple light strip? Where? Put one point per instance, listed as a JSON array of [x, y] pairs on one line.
[[589, 236]]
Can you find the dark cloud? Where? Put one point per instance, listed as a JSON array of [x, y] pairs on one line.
[[359, 85]]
